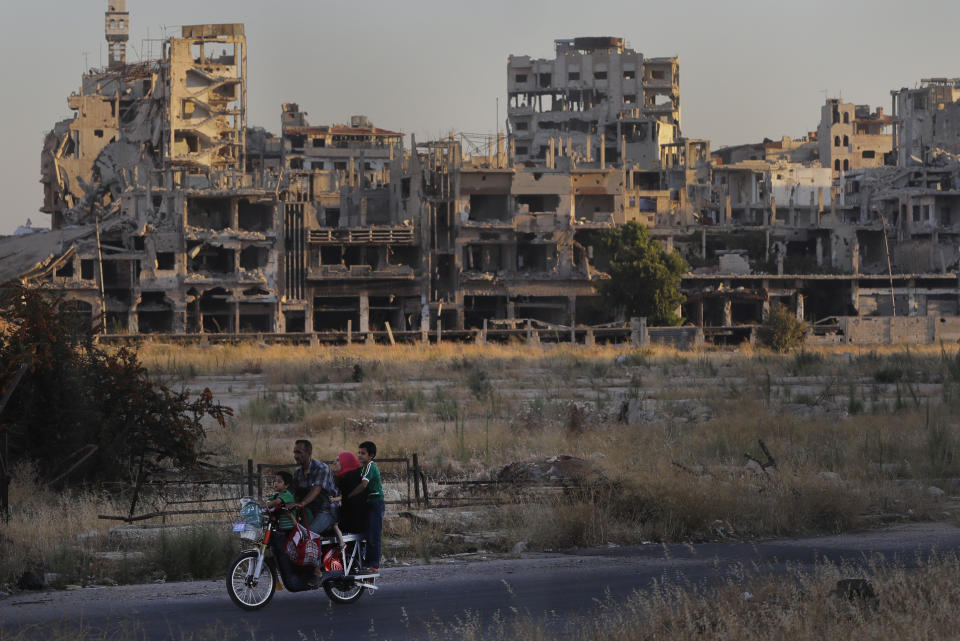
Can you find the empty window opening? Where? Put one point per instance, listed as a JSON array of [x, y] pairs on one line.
[[657, 74], [520, 77], [836, 141], [255, 317], [65, 270], [252, 258], [846, 117], [521, 125], [166, 260], [98, 133], [252, 216], [836, 164], [319, 142], [295, 321], [573, 75], [846, 164], [333, 313], [646, 180], [297, 141], [209, 213], [869, 153], [599, 75], [184, 143], [154, 313], [331, 217], [846, 141], [216, 311], [489, 207], [206, 258], [629, 74], [545, 79], [539, 202]]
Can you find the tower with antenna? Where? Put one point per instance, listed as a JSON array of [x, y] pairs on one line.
[[117, 30]]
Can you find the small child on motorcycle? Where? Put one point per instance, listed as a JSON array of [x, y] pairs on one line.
[[282, 482]]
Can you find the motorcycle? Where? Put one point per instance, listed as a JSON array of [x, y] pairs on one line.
[[259, 571]]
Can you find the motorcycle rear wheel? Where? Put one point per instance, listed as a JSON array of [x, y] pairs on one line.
[[341, 596], [247, 592]]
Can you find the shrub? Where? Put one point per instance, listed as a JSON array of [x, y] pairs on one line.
[[781, 330], [82, 412]]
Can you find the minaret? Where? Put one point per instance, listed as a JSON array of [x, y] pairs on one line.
[[117, 29]]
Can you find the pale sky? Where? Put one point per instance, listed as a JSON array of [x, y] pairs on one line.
[[748, 69]]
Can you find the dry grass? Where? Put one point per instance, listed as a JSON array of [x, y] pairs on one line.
[[857, 434], [916, 604], [848, 441], [53, 531]]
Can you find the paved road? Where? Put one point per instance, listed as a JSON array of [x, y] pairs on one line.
[[414, 601]]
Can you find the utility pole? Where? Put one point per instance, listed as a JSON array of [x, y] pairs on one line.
[[886, 246]]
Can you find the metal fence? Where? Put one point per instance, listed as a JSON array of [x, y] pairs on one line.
[[217, 490]]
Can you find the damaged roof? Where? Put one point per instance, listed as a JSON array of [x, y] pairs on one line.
[[22, 254]]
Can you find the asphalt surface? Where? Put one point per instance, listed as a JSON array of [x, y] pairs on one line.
[[428, 601]]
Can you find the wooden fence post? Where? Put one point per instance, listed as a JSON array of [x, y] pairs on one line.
[[415, 470]]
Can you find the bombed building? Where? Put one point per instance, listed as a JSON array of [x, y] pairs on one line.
[[170, 213]]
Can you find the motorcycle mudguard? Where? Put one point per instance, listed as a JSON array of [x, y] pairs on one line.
[[337, 576]]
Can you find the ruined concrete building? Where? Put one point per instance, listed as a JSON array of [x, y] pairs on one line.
[[170, 213], [597, 99]]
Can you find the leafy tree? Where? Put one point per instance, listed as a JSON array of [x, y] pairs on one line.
[[781, 330], [644, 277], [82, 412]]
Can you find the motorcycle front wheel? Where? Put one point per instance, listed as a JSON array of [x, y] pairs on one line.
[[247, 591]]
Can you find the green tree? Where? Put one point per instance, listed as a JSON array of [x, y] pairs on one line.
[[644, 277], [781, 330], [84, 413]]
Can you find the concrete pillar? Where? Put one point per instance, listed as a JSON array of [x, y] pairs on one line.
[[572, 315], [439, 331], [603, 151], [490, 151], [352, 176], [589, 146], [179, 320], [501, 157], [855, 296], [727, 312], [483, 333], [589, 340], [819, 251], [511, 310], [800, 298], [912, 298], [364, 313], [550, 153], [349, 331]]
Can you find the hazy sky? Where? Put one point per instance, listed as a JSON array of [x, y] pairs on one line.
[[748, 69]]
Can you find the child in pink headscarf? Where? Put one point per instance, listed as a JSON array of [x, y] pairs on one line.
[[347, 471]]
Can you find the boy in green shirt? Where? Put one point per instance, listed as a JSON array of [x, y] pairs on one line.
[[370, 484], [282, 496]]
